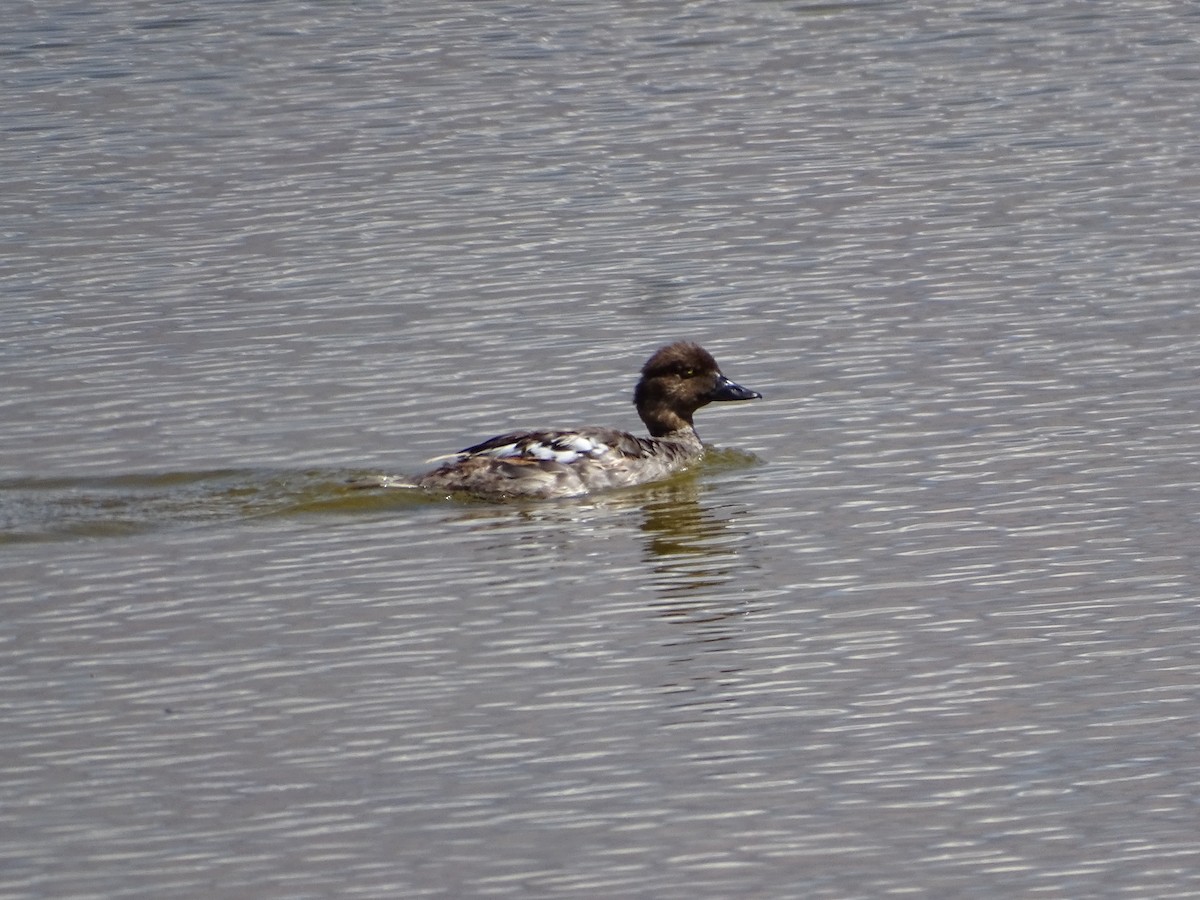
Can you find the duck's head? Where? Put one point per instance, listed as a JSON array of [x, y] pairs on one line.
[[676, 381]]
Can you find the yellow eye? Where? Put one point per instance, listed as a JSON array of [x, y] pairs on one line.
[[688, 373]]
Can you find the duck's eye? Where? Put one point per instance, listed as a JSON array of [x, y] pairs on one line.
[[688, 373]]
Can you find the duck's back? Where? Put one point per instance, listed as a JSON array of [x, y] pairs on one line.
[[556, 463]]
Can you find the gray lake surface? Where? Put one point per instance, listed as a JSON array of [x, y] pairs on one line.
[[924, 623]]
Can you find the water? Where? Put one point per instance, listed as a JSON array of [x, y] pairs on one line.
[[924, 623]]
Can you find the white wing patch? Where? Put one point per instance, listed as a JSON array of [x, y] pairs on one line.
[[560, 448], [565, 448]]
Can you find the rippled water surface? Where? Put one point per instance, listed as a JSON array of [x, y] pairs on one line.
[[925, 624]]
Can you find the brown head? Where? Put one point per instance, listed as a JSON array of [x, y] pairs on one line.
[[676, 381]]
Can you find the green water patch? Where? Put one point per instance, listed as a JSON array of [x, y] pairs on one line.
[[49, 509]]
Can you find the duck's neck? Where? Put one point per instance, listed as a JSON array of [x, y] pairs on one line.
[[663, 422], [685, 439]]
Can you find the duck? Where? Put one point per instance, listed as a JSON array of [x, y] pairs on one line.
[[675, 382]]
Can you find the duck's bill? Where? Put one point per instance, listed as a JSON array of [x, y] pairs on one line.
[[730, 390]]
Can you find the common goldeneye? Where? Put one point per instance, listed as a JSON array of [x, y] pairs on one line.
[[676, 381]]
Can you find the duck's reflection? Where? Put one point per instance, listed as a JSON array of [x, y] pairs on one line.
[[701, 564], [697, 555]]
